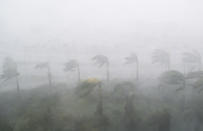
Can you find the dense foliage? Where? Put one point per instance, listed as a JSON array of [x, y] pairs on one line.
[[124, 108]]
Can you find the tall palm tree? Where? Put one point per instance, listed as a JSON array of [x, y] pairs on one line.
[[193, 57], [161, 57], [131, 60], [100, 61], [45, 65], [73, 65], [10, 70]]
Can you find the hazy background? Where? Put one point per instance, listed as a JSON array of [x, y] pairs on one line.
[[59, 30]]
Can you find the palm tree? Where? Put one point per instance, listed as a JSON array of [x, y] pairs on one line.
[[86, 87], [73, 65], [161, 57], [173, 78], [101, 60], [131, 60], [10, 70], [192, 58], [45, 65]]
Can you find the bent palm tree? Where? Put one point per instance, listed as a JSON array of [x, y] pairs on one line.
[[131, 60], [45, 65], [161, 57], [101, 60], [192, 58], [10, 70], [73, 65]]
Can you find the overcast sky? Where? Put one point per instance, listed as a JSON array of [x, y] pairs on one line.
[[65, 29]]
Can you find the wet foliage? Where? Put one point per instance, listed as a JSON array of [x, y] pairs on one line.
[[91, 107]]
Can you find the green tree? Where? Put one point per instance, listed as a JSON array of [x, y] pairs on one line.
[[172, 78], [161, 120], [133, 59], [86, 87], [5, 125], [131, 120], [73, 65], [45, 65], [161, 57], [101, 122]]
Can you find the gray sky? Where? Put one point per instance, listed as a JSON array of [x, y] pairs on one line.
[[58, 30]]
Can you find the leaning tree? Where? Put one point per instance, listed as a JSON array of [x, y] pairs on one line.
[[45, 65], [133, 59], [73, 65], [10, 70], [100, 61], [161, 57]]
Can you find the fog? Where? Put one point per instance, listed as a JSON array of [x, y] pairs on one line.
[[61, 30], [140, 60]]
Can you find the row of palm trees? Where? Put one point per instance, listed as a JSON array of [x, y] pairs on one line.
[[158, 57]]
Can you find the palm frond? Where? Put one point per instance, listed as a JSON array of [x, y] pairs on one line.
[[100, 60], [191, 57], [71, 65], [172, 77]]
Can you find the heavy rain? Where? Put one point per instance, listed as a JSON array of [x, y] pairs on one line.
[[101, 65]]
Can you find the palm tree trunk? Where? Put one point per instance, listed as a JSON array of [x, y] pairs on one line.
[[78, 70], [184, 96], [99, 110]]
